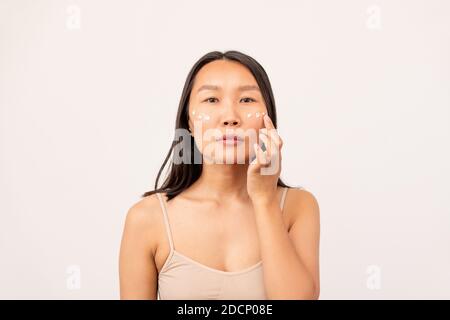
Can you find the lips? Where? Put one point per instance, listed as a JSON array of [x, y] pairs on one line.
[[229, 137]]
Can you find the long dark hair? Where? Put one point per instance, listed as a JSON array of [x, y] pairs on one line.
[[182, 175]]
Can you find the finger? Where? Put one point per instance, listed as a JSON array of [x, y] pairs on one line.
[[254, 162], [273, 153], [256, 159], [261, 158], [267, 143], [266, 152], [273, 134], [268, 122]]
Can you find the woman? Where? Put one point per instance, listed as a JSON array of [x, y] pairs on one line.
[[224, 227]]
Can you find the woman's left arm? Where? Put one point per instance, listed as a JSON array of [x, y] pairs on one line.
[[290, 258]]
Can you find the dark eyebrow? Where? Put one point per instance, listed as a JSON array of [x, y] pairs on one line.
[[207, 87], [248, 87], [241, 88]]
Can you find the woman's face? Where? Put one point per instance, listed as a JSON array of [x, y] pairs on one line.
[[225, 99]]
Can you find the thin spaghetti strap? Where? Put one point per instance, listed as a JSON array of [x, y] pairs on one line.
[[283, 197], [166, 220]]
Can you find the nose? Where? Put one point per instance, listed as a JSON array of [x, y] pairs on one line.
[[231, 122], [230, 116]]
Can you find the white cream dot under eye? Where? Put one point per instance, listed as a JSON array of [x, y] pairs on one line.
[[207, 117], [203, 116]]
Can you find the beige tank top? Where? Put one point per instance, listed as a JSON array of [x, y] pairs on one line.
[[184, 278]]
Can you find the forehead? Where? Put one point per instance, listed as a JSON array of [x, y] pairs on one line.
[[225, 74]]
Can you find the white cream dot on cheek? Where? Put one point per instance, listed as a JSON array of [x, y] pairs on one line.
[[203, 116], [257, 114], [193, 112], [249, 115]]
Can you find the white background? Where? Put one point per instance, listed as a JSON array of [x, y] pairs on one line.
[[88, 97]]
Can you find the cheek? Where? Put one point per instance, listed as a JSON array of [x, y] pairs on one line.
[[204, 116], [198, 114], [254, 116], [254, 119], [202, 121]]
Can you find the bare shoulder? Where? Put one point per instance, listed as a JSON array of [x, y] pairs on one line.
[[138, 273], [142, 220], [143, 212], [305, 231], [301, 202]]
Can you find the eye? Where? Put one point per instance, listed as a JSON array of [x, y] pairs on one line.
[[246, 98], [209, 99]]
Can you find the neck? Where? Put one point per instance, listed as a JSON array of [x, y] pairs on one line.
[[224, 180]]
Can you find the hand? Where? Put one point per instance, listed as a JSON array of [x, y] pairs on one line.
[[264, 171]]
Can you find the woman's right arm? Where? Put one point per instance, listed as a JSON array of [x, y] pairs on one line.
[[137, 270]]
